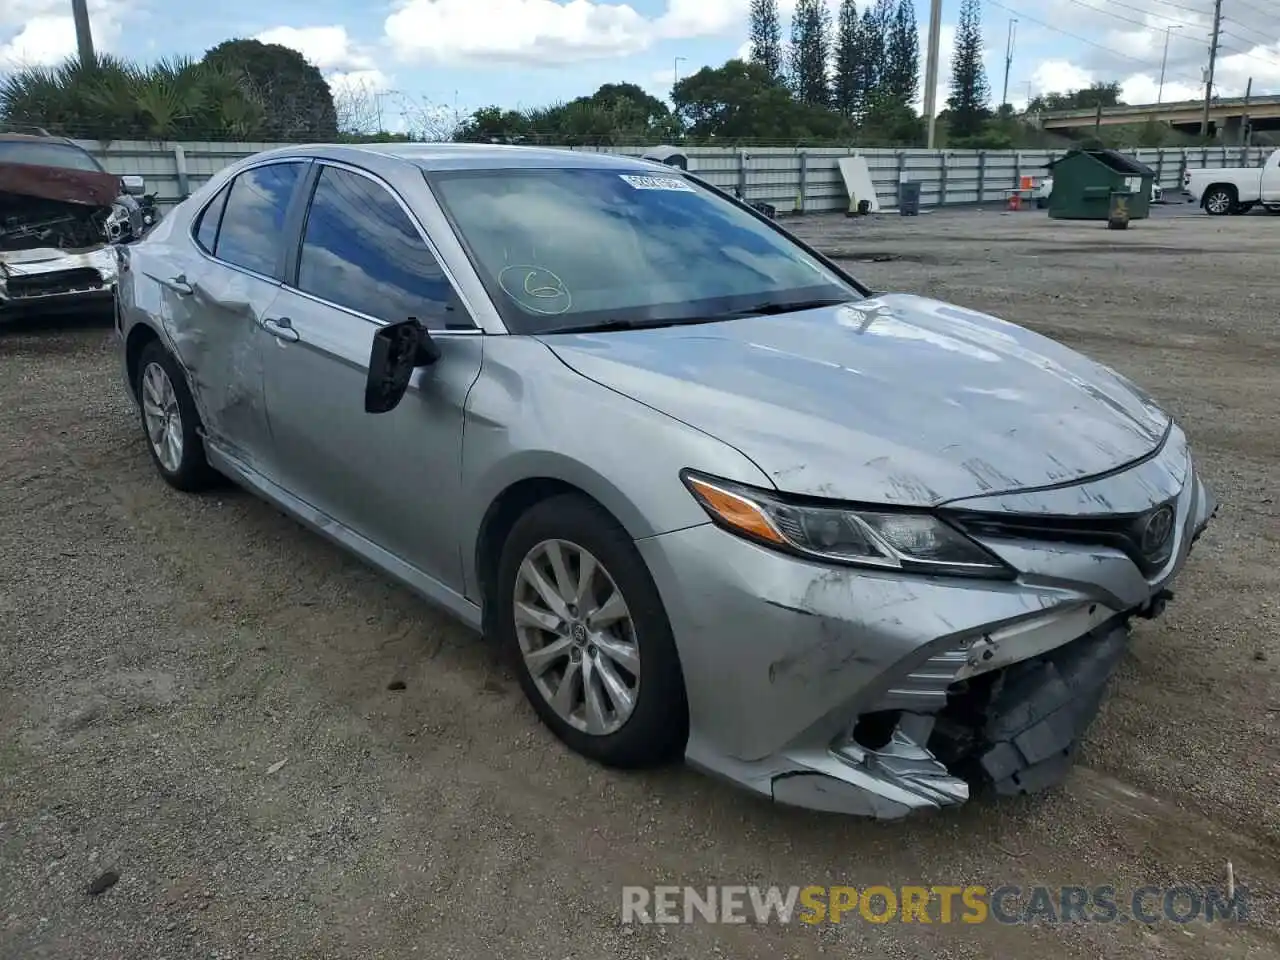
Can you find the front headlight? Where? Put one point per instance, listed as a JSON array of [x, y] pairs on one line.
[[914, 541]]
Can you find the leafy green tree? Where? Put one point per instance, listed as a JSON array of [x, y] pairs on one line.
[[741, 101], [293, 92], [968, 104], [766, 36], [1091, 97], [810, 52], [617, 113], [870, 58], [847, 88], [902, 55]]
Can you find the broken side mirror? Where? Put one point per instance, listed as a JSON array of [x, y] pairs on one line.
[[398, 350], [133, 184]]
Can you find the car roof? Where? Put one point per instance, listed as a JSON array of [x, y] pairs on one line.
[[469, 156]]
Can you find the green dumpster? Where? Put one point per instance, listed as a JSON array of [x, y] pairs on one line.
[[1085, 182]]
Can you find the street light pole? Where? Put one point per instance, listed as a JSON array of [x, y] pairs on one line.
[[1164, 60], [84, 37], [1008, 59], [931, 71], [675, 71]]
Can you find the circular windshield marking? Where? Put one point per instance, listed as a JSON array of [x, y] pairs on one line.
[[535, 288]]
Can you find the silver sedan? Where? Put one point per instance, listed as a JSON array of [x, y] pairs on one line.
[[853, 551]]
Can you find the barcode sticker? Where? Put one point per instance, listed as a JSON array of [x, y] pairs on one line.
[[657, 183]]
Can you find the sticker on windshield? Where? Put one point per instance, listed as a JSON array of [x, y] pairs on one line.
[[657, 183]]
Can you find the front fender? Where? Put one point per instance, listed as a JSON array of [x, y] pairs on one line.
[[531, 417]]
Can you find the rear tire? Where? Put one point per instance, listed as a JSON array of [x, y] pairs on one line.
[[610, 687], [170, 421], [1219, 201]]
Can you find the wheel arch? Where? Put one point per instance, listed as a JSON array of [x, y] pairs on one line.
[[519, 495], [137, 340]]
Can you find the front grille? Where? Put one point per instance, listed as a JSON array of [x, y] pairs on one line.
[[54, 282], [1134, 534]]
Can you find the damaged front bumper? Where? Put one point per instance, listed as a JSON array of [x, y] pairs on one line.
[[47, 278], [852, 691]]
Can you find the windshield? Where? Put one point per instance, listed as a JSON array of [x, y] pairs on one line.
[[580, 248], [44, 154]]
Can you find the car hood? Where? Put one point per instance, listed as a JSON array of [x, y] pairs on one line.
[[895, 399]]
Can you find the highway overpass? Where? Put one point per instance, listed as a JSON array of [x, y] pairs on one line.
[[1225, 116]]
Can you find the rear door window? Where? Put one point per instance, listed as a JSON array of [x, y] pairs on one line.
[[207, 227], [252, 231]]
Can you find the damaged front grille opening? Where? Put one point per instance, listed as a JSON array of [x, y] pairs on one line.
[[67, 210], [1011, 731], [84, 279], [29, 222]]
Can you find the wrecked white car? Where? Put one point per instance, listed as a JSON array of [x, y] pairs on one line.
[[60, 213]]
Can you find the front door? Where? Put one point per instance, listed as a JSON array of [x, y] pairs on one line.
[[393, 478]]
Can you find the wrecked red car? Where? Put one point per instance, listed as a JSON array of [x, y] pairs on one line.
[[60, 213]]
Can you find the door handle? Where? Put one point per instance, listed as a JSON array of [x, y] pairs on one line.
[[179, 285], [281, 328]]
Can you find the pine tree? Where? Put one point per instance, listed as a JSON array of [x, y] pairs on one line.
[[872, 38], [902, 55], [810, 51], [970, 92], [766, 36], [848, 80]]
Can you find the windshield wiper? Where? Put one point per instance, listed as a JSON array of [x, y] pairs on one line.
[[769, 308], [605, 326]]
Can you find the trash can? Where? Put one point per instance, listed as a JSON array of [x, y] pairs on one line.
[[1084, 182], [909, 198], [1118, 209]]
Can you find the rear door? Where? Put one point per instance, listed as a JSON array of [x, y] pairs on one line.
[[215, 292], [393, 478]]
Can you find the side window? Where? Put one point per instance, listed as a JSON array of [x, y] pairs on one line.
[[210, 217], [360, 250], [253, 219]]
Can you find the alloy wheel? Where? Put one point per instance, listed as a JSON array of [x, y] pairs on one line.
[[577, 637], [162, 416], [1218, 202]]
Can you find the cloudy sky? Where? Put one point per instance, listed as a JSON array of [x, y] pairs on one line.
[[520, 53]]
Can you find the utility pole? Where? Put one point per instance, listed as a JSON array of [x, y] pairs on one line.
[[1213, 62], [931, 70], [1245, 132], [675, 71], [84, 37], [1164, 61], [1008, 59]]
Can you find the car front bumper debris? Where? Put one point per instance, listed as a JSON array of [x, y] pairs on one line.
[[862, 692]]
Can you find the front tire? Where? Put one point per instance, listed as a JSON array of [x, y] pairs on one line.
[[170, 421], [1219, 201], [579, 614]]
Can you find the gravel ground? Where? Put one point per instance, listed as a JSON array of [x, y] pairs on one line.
[[197, 695]]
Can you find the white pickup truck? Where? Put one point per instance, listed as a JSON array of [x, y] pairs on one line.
[[1224, 190]]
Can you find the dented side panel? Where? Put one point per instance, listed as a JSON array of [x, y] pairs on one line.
[[216, 333]]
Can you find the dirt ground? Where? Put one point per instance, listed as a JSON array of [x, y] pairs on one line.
[[194, 691]]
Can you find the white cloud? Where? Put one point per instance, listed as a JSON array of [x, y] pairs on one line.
[[350, 69], [543, 32], [46, 32], [329, 48]]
